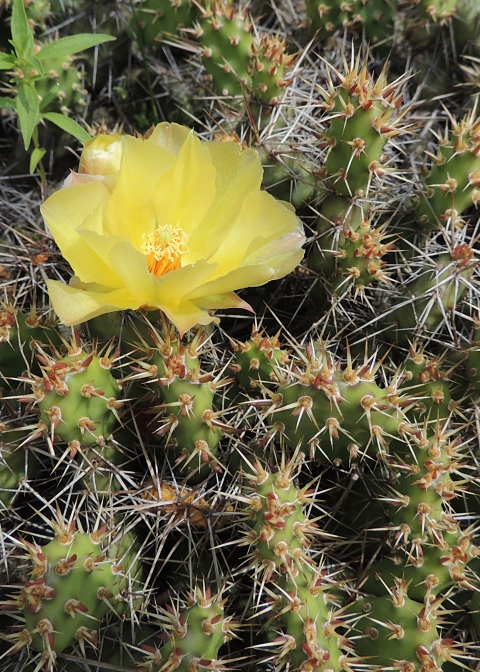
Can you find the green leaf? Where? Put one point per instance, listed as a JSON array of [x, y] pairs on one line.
[[68, 125], [22, 35], [36, 156], [7, 61], [28, 111], [8, 104], [66, 46]]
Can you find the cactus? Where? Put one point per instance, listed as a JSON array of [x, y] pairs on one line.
[[77, 395], [293, 492], [75, 580]]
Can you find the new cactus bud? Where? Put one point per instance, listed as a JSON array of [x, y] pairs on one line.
[[225, 35], [453, 182], [76, 579], [77, 395], [195, 634]]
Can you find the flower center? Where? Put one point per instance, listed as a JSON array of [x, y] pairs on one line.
[[164, 248]]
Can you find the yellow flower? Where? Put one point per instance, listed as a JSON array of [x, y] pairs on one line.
[[167, 222]]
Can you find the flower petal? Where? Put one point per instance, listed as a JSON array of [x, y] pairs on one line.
[[169, 290], [223, 301], [131, 210], [238, 173], [247, 276], [184, 194], [169, 136], [74, 306], [65, 212], [261, 220]]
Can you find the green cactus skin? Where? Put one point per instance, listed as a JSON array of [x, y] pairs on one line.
[[287, 175], [374, 19], [77, 578], [16, 463], [453, 182], [256, 360], [397, 631], [341, 413], [160, 19], [353, 258], [429, 382], [472, 360], [429, 549], [195, 634], [186, 416], [279, 539], [362, 113], [38, 12], [432, 295], [20, 335], [61, 75], [225, 36], [326, 18], [77, 396]]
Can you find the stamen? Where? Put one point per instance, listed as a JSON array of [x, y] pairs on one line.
[[164, 248]]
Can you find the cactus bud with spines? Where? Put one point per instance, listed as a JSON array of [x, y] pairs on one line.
[[20, 336], [256, 360], [76, 579], [268, 67], [195, 632], [453, 182], [186, 418], [77, 394]]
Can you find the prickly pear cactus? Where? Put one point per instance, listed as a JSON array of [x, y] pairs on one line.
[[294, 491]]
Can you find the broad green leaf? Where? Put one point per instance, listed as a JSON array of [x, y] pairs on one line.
[[22, 35], [28, 111], [7, 61], [36, 156], [68, 125], [8, 104], [66, 46]]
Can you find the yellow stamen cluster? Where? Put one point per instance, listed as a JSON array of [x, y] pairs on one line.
[[164, 248]]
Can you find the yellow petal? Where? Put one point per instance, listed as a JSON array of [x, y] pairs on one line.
[[169, 136], [223, 301], [102, 155], [187, 315], [247, 276], [260, 221], [169, 290], [184, 194], [131, 210], [74, 306], [238, 173], [68, 210], [287, 245]]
